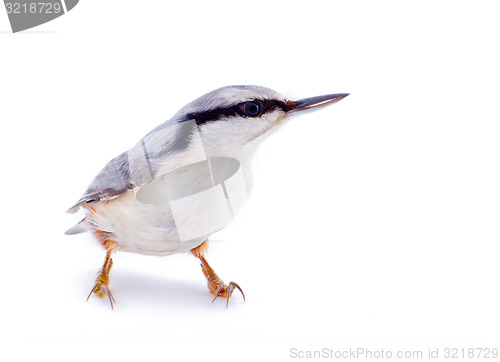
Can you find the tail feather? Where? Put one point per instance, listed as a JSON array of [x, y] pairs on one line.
[[81, 227], [73, 209]]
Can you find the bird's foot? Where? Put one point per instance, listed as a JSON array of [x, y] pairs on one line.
[[215, 284], [101, 287], [219, 289]]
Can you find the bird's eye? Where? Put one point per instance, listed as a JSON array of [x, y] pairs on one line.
[[252, 109]]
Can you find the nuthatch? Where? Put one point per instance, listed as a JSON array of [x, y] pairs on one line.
[[186, 179]]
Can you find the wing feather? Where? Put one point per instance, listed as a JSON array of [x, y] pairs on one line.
[[140, 164], [113, 180]]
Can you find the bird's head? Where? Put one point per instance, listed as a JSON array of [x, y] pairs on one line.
[[233, 117]]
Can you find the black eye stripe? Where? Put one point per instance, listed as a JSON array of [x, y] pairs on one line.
[[236, 110]]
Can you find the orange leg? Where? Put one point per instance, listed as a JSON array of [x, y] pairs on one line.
[[102, 281], [215, 284]]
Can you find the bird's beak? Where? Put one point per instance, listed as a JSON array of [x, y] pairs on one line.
[[314, 102]]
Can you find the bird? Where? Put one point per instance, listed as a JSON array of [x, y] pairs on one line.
[[185, 179]]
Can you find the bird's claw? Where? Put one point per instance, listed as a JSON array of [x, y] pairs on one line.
[[101, 289], [225, 291], [215, 284]]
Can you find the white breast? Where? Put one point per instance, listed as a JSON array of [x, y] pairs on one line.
[[179, 209]]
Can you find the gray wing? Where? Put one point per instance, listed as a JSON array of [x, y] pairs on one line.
[[140, 164], [113, 180]]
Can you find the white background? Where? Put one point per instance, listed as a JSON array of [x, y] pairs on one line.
[[374, 223]]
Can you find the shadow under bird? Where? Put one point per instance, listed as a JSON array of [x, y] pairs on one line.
[[186, 179]]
